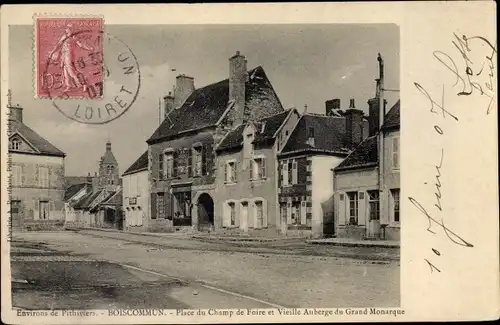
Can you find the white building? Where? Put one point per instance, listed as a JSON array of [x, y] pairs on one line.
[[136, 204]]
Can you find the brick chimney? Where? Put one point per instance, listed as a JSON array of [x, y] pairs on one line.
[[331, 105], [16, 113], [184, 86], [353, 126], [169, 103], [237, 79]]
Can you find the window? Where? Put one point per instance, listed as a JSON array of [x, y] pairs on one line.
[[296, 213], [395, 203], [353, 207], [43, 211], [15, 206], [259, 168], [197, 161], [310, 133], [160, 205], [248, 145], [395, 153], [17, 175], [161, 165], [259, 213], [290, 172], [169, 170], [15, 144], [294, 173], [43, 177], [230, 170], [232, 209], [373, 203]]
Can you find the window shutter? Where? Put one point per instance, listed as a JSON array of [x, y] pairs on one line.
[[37, 176], [204, 166], [250, 168], [190, 162], [285, 173], [175, 162], [395, 152], [226, 166], [153, 205], [263, 167], [234, 171], [342, 208], [209, 159], [362, 217], [22, 177], [36, 214], [264, 211], [226, 214]]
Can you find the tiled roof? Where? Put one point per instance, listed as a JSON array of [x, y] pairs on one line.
[[271, 124], [233, 139], [72, 180], [86, 200], [392, 118], [205, 106], [140, 164], [329, 135], [266, 128], [72, 190], [38, 142], [364, 155], [114, 198]]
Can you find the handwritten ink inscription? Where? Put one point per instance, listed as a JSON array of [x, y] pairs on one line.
[[474, 76]]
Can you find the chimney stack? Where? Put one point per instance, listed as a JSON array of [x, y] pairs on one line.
[[351, 103], [184, 86], [354, 126], [16, 113], [237, 79], [169, 102], [374, 115], [332, 105]]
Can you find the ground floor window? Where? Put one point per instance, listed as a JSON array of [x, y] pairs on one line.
[[259, 213], [296, 213], [232, 213], [160, 205], [43, 211], [353, 207], [182, 213], [395, 203], [373, 203]]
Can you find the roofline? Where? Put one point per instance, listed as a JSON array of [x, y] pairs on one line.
[[175, 136], [135, 171], [26, 140], [116, 193], [230, 105], [315, 151], [284, 122], [293, 130], [351, 167], [61, 155]]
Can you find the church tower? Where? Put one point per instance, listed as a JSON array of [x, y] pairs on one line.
[[108, 170]]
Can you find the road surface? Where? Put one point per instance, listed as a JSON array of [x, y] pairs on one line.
[[89, 270]]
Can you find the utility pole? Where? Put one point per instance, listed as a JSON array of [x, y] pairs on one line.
[[381, 181]]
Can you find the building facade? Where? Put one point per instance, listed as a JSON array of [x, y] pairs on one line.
[[136, 198], [181, 152], [366, 209], [37, 177], [246, 179], [318, 142], [99, 203]]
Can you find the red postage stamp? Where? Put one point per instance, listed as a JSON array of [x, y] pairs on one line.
[[69, 58]]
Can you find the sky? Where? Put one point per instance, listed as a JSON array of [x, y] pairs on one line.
[[306, 64]]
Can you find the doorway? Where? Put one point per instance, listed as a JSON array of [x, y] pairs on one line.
[[205, 211], [244, 216]]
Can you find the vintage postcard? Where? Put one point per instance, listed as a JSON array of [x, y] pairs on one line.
[[251, 163]]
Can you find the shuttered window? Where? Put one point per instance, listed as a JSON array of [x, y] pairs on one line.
[[43, 177], [395, 153], [17, 175], [353, 207]]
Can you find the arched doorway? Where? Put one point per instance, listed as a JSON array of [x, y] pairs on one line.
[[205, 211]]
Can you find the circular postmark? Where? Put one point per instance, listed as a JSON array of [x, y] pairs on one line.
[[95, 86]]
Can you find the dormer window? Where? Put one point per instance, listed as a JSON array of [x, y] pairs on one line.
[[15, 144], [248, 145], [310, 136]]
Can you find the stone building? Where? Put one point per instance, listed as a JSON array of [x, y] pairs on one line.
[[247, 175], [317, 143], [98, 203], [181, 152], [37, 177], [364, 208]]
